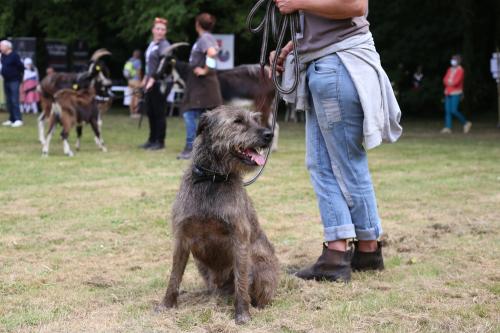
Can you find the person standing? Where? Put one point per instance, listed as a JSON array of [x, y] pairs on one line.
[[418, 78], [12, 72], [350, 106], [2, 92], [453, 91], [132, 71], [29, 92], [156, 100], [203, 90]]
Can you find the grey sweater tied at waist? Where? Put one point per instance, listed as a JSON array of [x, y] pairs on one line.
[[380, 107]]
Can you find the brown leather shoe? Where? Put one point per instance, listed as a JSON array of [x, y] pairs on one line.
[[332, 265], [365, 261]]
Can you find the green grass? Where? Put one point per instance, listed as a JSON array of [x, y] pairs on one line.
[[85, 241]]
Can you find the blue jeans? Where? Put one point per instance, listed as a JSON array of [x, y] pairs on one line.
[[11, 89], [451, 103], [191, 117], [335, 157]]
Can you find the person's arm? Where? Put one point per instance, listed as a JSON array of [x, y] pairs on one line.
[[281, 57], [20, 66], [457, 78], [149, 82], [332, 9], [201, 71], [154, 61]]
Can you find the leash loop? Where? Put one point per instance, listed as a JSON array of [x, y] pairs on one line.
[[279, 25]]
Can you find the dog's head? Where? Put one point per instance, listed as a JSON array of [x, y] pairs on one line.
[[233, 137]]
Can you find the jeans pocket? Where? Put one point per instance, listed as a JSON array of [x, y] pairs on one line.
[[326, 65], [324, 68]]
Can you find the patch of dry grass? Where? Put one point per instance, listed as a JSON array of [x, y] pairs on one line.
[[85, 244]]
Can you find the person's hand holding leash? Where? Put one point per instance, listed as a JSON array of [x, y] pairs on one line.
[[281, 58], [287, 6]]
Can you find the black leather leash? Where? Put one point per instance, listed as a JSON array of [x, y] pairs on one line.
[[279, 25]]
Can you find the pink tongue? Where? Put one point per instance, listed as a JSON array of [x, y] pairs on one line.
[[256, 157]]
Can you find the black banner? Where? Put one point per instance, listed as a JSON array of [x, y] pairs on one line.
[[57, 55], [80, 57], [25, 47]]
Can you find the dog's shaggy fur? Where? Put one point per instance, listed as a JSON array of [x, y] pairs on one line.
[[216, 222]]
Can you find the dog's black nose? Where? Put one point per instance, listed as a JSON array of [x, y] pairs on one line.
[[268, 135]]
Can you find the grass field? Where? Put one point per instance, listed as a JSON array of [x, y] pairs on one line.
[[85, 241]]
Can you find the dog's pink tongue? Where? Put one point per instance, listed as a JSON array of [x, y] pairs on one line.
[[256, 157]]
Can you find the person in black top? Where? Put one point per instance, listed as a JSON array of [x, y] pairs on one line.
[[12, 72], [154, 95]]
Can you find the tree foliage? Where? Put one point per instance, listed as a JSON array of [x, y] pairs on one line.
[[408, 33]]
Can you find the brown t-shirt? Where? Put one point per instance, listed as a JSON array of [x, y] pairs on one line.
[[319, 32]]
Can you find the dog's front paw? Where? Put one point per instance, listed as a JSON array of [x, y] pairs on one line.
[[162, 307], [242, 318], [166, 303], [159, 308]]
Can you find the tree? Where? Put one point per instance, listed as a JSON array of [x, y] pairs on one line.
[[480, 40], [407, 33]]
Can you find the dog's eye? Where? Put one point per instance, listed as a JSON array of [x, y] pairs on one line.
[[238, 121]]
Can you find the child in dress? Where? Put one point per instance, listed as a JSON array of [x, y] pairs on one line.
[[29, 92]]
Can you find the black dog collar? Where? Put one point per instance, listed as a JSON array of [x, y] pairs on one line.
[[201, 174]]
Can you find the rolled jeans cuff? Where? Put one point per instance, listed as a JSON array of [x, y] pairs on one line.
[[368, 234], [345, 231]]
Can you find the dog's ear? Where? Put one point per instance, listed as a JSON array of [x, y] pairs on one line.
[[202, 124]]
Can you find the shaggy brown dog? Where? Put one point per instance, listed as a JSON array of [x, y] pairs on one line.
[[213, 217]]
